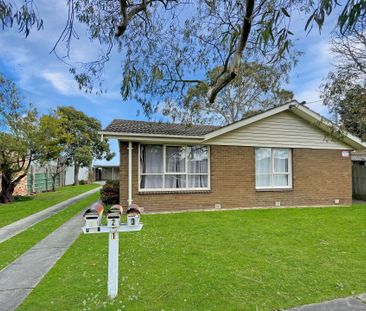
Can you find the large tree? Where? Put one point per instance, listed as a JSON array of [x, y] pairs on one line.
[[19, 138], [344, 90], [55, 155], [84, 142], [168, 46], [257, 87]]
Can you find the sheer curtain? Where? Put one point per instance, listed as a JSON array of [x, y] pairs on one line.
[[272, 167], [280, 161], [151, 163], [198, 167], [263, 167], [185, 167], [175, 163]]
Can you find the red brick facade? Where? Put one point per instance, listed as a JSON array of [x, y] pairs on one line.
[[21, 188], [319, 178]]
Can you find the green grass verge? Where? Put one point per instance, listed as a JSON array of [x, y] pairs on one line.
[[17, 210], [236, 260], [14, 247]]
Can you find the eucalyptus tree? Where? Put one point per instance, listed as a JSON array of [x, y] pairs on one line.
[[168, 46], [344, 90], [256, 88]]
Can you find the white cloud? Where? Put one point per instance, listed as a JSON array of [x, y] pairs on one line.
[[61, 82]]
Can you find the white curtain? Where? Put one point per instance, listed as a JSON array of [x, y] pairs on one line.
[[151, 181], [151, 162], [268, 176], [175, 159], [175, 163], [263, 167], [195, 175], [197, 164], [175, 181], [197, 181], [280, 160]]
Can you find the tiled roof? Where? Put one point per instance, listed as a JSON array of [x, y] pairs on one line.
[[158, 128]]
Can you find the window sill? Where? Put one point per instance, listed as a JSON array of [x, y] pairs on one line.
[[149, 192], [274, 189]]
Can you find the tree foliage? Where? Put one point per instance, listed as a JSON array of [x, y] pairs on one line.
[[55, 152], [168, 46], [344, 90], [257, 87], [19, 138], [84, 142]]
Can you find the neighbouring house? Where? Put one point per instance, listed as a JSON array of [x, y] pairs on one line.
[[39, 178], [105, 172], [358, 157], [286, 156], [359, 174], [69, 175]]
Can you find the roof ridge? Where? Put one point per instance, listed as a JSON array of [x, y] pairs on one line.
[[166, 123]]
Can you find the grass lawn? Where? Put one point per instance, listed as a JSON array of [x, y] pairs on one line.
[[232, 260], [18, 210], [16, 246]]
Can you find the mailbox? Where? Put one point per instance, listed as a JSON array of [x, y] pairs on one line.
[[133, 215], [114, 215], [93, 225], [93, 215]]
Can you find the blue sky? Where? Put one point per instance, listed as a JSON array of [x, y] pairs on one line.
[[46, 83]]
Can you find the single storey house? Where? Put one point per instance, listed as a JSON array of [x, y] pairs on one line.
[[286, 156]]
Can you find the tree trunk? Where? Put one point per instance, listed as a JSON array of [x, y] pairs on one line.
[[7, 189], [76, 174], [54, 182]]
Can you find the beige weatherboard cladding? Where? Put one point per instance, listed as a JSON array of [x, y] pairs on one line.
[[284, 129]]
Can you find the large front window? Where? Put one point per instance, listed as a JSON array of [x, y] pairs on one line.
[[273, 168], [164, 167]]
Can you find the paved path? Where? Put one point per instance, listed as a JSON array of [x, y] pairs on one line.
[[19, 278], [14, 228], [344, 304]]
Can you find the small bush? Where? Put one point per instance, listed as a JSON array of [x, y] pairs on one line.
[[109, 194], [83, 182], [21, 198]]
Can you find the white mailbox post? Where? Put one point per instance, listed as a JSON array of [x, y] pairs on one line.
[[113, 227]]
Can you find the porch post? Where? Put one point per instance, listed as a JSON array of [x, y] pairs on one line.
[[129, 173]]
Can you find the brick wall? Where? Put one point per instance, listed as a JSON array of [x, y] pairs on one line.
[[21, 188], [319, 177]]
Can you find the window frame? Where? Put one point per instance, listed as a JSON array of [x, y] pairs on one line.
[[165, 173], [273, 173]]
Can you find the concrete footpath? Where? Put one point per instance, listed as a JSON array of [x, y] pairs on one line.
[[15, 228], [357, 303], [19, 278]]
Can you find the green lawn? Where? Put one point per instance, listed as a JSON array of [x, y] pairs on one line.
[[18, 210], [14, 247], [236, 260]]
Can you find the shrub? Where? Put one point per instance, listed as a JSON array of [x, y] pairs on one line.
[[83, 182], [21, 198], [109, 194]]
